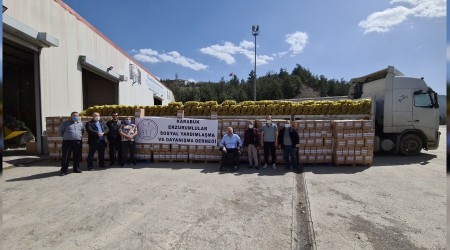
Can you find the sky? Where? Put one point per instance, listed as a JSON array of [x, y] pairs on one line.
[[204, 40]]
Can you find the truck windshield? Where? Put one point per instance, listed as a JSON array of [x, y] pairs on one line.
[[422, 99]]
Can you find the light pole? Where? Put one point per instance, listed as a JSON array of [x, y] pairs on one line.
[[255, 32]]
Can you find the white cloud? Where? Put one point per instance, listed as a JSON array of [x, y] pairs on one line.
[[384, 21], [298, 41], [228, 50], [153, 56]]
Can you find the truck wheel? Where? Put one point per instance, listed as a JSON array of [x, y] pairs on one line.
[[410, 144]]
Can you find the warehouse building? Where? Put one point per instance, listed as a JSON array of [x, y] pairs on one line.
[[55, 62]]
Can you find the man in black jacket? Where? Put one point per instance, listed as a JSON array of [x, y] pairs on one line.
[[96, 130], [114, 139], [289, 140]]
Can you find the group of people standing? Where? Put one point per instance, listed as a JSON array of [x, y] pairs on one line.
[[119, 137], [115, 134], [287, 138]]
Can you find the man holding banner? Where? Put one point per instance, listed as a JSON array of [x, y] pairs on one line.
[[231, 144]]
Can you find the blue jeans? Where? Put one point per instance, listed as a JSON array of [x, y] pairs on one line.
[[290, 151]]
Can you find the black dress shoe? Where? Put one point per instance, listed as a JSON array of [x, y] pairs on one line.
[[77, 171], [111, 164], [90, 169], [62, 174], [121, 165]]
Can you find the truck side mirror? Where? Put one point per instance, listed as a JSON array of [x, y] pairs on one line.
[[436, 103]]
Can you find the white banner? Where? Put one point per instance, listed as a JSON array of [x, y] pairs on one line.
[[177, 131]]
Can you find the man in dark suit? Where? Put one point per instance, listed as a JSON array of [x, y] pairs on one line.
[[114, 139], [288, 139], [96, 130]]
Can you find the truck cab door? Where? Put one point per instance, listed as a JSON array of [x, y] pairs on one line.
[[425, 113]]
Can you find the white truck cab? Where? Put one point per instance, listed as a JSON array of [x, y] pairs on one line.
[[406, 111]]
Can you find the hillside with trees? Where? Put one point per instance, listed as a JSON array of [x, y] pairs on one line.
[[301, 82]]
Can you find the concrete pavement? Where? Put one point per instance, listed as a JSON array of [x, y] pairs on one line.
[[152, 206], [398, 203]]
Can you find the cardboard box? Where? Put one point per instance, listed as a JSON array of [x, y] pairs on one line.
[[306, 133], [303, 142], [338, 134], [310, 124], [318, 124], [359, 133], [49, 129], [339, 159], [307, 150], [357, 124], [348, 124], [165, 147], [367, 124], [243, 124], [359, 142], [369, 133], [349, 160], [340, 142], [311, 159], [313, 150], [318, 142], [301, 133], [175, 147], [338, 151], [327, 141], [320, 158], [312, 133], [301, 150], [368, 159], [156, 147], [310, 142], [359, 159], [351, 151], [320, 150], [368, 142], [344, 151], [357, 151], [351, 142], [303, 158], [49, 120], [328, 150], [301, 124], [326, 124], [328, 158], [338, 125]]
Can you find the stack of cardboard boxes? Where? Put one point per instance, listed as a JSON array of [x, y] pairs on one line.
[[342, 142], [315, 141], [353, 142]]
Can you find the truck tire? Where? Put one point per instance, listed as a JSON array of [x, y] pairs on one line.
[[410, 144]]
